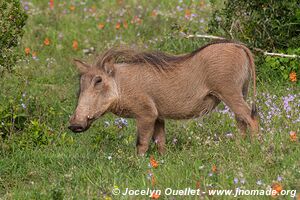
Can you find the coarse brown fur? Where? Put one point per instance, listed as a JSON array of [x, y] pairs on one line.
[[153, 86]]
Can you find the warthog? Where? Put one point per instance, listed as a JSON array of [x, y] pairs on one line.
[[154, 86]]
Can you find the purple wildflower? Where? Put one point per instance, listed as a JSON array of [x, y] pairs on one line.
[[23, 105], [235, 180], [179, 8], [121, 122]]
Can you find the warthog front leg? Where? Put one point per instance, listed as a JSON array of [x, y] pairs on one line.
[[145, 129], [159, 136], [242, 126]]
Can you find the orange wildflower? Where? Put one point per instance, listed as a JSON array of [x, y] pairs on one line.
[[153, 162], [293, 76], [154, 13], [187, 13], [72, 7], [51, 4], [136, 19], [46, 42], [293, 136], [214, 168], [153, 180], [198, 184], [125, 24], [155, 195], [118, 25], [277, 187], [27, 50], [101, 26], [75, 45]]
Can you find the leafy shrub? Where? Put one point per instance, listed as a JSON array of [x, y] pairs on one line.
[[21, 127], [37, 134], [112, 131], [13, 116], [281, 67], [12, 21], [268, 25]]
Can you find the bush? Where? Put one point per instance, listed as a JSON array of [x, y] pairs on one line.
[[12, 21], [13, 116], [268, 25], [22, 127], [281, 67]]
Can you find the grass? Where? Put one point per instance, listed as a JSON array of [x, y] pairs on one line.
[[46, 161]]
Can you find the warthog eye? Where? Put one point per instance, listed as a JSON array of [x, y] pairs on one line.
[[98, 80]]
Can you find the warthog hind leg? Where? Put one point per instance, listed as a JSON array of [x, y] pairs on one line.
[[210, 102]]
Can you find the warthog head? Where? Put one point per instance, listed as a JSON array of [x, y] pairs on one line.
[[98, 91]]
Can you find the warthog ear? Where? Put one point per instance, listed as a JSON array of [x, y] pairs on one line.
[[109, 67], [82, 67]]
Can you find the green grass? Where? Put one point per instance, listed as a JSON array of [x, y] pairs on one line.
[[63, 165]]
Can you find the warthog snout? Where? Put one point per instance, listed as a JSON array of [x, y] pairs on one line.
[[78, 126]]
